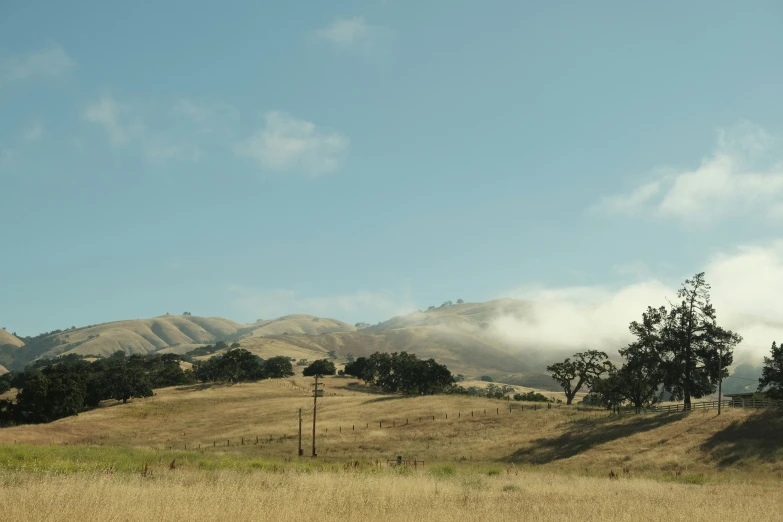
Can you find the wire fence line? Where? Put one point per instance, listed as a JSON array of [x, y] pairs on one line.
[[476, 414]]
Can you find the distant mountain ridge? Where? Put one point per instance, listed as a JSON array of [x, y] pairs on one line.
[[179, 333], [463, 336]]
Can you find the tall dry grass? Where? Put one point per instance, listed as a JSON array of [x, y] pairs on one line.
[[347, 496]]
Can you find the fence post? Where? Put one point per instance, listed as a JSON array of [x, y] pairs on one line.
[[471, 413]]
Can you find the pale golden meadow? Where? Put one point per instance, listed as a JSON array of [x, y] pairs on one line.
[[525, 465]]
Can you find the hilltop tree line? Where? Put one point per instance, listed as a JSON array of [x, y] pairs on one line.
[[679, 350], [50, 389]]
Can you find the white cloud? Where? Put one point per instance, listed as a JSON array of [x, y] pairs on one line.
[[347, 32], [742, 175], [160, 151], [746, 281], [209, 117], [288, 144], [41, 64], [125, 124], [355, 307], [34, 132], [106, 113]]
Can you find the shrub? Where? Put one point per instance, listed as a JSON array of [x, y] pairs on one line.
[[530, 396]]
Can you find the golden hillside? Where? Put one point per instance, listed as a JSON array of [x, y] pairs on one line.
[[469, 316], [144, 335], [299, 324], [9, 339]]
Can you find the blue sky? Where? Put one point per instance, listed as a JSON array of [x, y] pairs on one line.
[[361, 159]]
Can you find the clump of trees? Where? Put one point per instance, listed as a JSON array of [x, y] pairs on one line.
[[680, 350], [491, 391], [532, 396], [320, 367], [239, 365], [402, 373], [51, 389]]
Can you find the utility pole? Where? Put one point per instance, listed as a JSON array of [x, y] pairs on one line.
[[315, 405], [720, 376], [301, 451]]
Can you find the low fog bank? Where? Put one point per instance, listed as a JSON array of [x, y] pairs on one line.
[[747, 290]]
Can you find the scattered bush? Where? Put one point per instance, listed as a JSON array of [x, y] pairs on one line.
[[531, 396]]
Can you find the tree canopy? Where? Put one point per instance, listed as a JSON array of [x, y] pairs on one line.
[[582, 370], [401, 373], [772, 374], [320, 367]]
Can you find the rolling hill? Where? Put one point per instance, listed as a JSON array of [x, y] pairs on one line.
[[299, 324], [7, 339], [169, 333]]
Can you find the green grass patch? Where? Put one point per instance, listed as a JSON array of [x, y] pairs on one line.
[[445, 470]]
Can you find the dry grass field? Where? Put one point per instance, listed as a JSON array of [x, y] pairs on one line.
[[259, 421], [228, 452], [438, 495]]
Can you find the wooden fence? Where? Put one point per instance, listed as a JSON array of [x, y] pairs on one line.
[[705, 405]]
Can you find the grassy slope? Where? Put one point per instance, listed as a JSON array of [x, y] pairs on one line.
[[144, 335], [299, 324], [9, 339], [559, 439]]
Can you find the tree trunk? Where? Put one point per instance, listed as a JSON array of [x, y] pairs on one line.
[[124, 400], [686, 388]]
